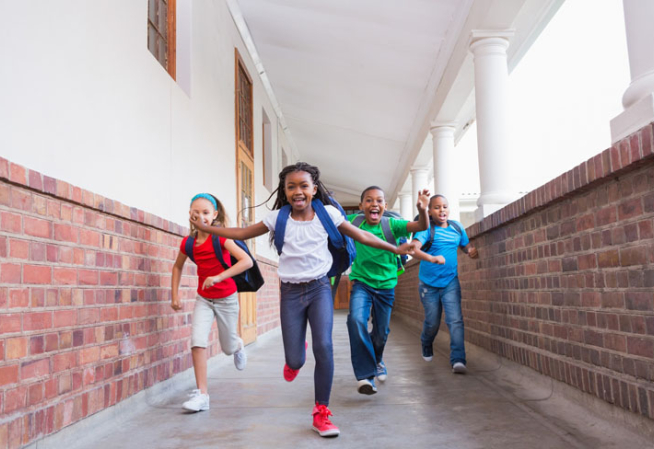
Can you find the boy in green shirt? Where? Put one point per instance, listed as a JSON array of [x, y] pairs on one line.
[[374, 277]]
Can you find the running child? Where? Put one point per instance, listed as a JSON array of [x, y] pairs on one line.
[[439, 280], [374, 277], [305, 289], [216, 298]]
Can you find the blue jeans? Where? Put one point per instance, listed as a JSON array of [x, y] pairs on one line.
[[312, 302], [435, 300], [367, 348]]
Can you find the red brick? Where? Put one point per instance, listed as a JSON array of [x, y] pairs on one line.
[[615, 342], [89, 355], [65, 276], [89, 238], [634, 256], [10, 222], [630, 209], [606, 216], [88, 277], [37, 274], [51, 342], [35, 180], [608, 259], [64, 318], [35, 393], [19, 249], [643, 347], [37, 321], [35, 368], [8, 374], [639, 300], [65, 233], [16, 348], [37, 345], [64, 361], [15, 399], [38, 228], [17, 174], [19, 297], [10, 273]]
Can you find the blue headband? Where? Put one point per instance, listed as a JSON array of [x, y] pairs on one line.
[[206, 196]]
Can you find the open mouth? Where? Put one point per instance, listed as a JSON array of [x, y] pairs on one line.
[[374, 215], [299, 200]]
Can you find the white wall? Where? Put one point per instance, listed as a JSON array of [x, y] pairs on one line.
[[83, 100]]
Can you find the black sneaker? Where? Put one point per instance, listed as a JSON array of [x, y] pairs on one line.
[[427, 353]]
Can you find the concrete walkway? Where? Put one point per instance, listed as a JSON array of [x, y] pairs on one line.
[[421, 405]]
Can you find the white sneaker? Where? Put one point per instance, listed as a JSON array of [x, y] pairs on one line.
[[366, 386], [240, 359], [459, 368], [198, 402]]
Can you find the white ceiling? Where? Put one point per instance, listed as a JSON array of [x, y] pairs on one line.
[[357, 80]]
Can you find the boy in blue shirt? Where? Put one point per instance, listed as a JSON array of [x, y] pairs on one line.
[[439, 281]]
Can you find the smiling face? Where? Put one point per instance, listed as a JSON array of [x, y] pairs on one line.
[[299, 190], [439, 210], [373, 205], [203, 209]]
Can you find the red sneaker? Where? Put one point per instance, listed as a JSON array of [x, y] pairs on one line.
[[290, 374], [321, 422]]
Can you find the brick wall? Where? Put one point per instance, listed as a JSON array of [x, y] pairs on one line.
[[565, 279], [85, 320]]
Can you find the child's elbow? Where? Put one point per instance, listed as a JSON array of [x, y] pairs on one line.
[[247, 263]]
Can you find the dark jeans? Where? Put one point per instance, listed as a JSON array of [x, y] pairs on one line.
[[367, 348], [309, 302], [435, 300]]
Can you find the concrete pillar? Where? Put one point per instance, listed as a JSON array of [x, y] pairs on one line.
[[446, 167], [406, 205], [419, 181], [491, 97], [638, 99]]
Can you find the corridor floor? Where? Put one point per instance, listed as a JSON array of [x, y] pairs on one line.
[[421, 405]]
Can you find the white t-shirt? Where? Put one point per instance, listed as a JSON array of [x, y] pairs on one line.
[[305, 255]]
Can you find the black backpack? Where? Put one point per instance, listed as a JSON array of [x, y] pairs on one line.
[[248, 281]]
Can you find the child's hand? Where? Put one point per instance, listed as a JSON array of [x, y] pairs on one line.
[[440, 260], [176, 304], [196, 221], [404, 248], [472, 252], [423, 200], [211, 281]]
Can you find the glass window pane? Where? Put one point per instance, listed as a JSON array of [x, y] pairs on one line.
[[163, 19], [152, 40], [152, 11]]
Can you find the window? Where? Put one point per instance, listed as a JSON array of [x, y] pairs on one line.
[[162, 32], [243, 106]]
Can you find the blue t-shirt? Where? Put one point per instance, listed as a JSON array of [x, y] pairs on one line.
[[446, 242]]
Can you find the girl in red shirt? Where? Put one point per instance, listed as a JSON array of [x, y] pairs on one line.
[[217, 297]]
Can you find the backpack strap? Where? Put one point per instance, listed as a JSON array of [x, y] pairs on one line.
[[358, 220], [280, 227], [332, 231], [456, 227], [215, 240], [432, 233], [388, 233], [188, 247]]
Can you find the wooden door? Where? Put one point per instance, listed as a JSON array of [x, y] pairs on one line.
[[245, 184], [247, 301]]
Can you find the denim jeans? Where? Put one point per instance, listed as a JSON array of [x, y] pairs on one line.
[[436, 300], [312, 302], [367, 348]]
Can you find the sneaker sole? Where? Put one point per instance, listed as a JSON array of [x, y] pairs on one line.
[[427, 359], [201, 409], [327, 433], [382, 377], [367, 389], [460, 370]]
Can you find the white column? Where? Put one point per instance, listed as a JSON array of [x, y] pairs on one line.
[[419, 181], [406, 205], [491, 97], [638, 99], [446, 167]]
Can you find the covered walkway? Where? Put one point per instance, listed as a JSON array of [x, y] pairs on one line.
[[496, 405]]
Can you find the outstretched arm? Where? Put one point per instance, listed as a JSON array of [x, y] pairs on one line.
[[370, 240], [248, 232], [243, 262], [421, 255], [422, 205]]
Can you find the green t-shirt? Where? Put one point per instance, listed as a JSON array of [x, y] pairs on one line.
[[376, 267]]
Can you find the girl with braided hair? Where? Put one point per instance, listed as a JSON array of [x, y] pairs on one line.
[[303, 265]]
